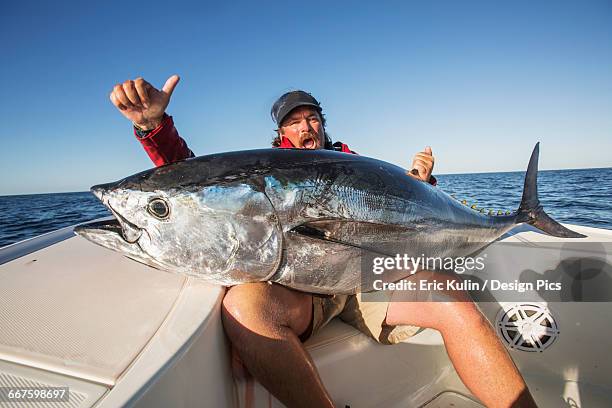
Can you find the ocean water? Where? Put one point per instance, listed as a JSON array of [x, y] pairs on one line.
[[581, 197], [26, 216]]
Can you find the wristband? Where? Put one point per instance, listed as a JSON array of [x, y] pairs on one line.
[[141, 132]]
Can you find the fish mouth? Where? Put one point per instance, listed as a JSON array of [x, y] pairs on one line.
[[108, 225], [129, 231], [109, 233]]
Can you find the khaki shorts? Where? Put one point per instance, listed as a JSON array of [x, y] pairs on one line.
[[367, 317]]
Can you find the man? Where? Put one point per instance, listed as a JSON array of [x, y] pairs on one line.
[[266, 323]]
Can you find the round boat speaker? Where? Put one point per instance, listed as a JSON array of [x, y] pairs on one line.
[[527, 326]]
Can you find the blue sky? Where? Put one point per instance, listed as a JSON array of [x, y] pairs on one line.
[[480, 82]]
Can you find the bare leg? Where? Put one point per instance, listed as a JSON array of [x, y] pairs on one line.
[[263, 322], [482, 362]]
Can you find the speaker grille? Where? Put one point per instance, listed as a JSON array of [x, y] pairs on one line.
[[527, 326]]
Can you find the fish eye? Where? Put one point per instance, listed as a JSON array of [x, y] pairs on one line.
[[158, 208]]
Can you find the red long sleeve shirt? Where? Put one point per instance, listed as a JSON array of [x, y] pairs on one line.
[[164, 145]]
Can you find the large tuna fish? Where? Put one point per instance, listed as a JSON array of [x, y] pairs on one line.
[[297, 217]]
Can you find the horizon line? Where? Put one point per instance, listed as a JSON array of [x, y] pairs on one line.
[[440, 174]]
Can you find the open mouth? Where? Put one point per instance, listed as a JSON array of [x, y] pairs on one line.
[[129, 231], [120, 225], [110, 233], [309, 143], [110, 225]]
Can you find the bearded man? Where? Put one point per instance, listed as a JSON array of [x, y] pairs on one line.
[[268, 323]]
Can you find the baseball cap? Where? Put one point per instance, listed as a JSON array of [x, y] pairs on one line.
[[289, 101]]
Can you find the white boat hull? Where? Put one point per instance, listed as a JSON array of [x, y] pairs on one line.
[[119, 333]]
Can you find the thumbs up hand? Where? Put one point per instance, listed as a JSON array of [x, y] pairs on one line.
[[422, 165], [141, 102]]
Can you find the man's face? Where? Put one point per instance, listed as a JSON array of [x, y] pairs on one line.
[[304, 128]]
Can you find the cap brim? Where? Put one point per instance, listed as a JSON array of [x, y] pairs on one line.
[[288, 108]]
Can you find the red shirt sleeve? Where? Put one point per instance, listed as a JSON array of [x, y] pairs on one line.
[[164, 145], [341, 147]]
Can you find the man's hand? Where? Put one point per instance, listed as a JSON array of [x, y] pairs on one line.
[[142, 103], [422, 165]]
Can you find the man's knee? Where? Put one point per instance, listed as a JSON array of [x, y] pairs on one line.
[[240, 299], [256, 305]]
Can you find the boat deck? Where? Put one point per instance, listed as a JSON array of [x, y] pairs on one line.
[[120, 333]]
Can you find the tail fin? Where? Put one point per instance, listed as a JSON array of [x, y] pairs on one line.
[[531, 212]]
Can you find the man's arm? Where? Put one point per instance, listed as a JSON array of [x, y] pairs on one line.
[[422, 164], [163, 143], [145, 107]]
